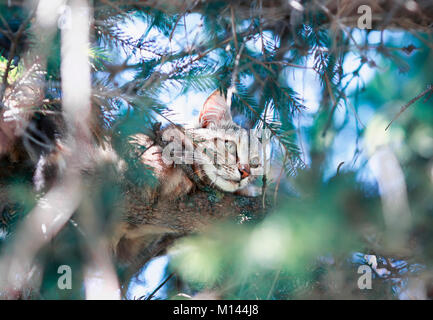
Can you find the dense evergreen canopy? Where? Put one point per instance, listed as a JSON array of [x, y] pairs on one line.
[[352, 139]]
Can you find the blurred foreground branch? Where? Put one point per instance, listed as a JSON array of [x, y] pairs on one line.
[[55, 209]]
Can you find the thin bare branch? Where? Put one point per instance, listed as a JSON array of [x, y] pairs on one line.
[[411, 102]]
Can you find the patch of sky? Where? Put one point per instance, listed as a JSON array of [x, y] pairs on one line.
[[348, 146], [148, 279], [402, 271], [266, 39]]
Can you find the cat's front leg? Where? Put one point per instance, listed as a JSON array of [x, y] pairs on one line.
[[250, 191]]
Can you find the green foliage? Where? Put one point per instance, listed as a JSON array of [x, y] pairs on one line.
[[14, 71], [321, 213]]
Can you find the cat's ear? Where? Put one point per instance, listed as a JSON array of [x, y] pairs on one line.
[[214, 111]]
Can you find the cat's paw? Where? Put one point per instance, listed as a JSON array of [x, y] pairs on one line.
[[250, 191]]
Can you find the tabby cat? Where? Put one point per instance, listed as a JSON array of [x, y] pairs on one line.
[[214, 152], [219, 153]]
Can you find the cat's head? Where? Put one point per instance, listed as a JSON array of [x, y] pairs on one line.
[[230, 157]]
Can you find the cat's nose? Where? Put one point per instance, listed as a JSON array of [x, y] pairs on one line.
[[244, 170]]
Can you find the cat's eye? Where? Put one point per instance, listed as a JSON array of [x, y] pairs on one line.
[[230, 147], [254, 162]]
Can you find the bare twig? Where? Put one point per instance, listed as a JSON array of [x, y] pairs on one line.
[[6, 24], [274, 282], [412, 101], [232, 88], [339, 167], [232, 13], [150, 296], [277, 186], [12, 52]]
